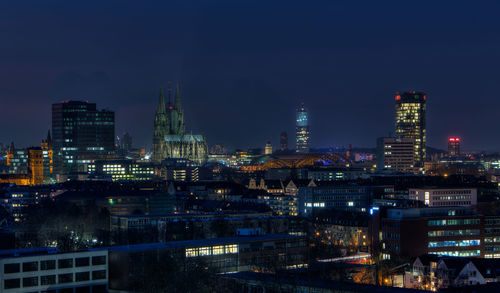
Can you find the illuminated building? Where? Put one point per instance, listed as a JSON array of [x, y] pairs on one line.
[[341, 197], [35, 165], [18, 199], [48, 158], [295, 161], [284, 141], [122, 170], [396, 154], [302, 130], [437, 272], [178, 170], [81, 134], [441, 197], [17, 160], [170, 140], [268, 150], [410, 122], [26, 166], [17, 179], [454, 146], [451, 231]]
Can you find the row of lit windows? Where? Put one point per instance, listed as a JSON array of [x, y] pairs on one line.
[[455, 197], [212, 250], [441, 233], [453, 222], [459, 243], [491, 239], [462, 253]]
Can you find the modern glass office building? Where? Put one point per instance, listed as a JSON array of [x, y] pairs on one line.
[[410, 121], [81, 134], [302, 130]]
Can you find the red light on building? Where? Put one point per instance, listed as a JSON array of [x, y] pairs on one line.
[[454, 146], [398, 97]]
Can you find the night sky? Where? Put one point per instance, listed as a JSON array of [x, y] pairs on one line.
[[244, 66]]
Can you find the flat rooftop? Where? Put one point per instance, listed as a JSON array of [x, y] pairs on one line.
[[200, 242]]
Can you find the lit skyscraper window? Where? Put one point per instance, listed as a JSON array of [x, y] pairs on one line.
[[302, 130], [410, 121]]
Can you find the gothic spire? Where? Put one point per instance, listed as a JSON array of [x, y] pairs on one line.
[[161, 102], [169, 88], [49, 138], [177, 98]]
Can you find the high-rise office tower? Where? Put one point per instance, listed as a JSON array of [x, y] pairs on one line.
[[302, 130], [283, 141], [396, 154], [410, 122], [268, 150], [454, 146], [80, 134]]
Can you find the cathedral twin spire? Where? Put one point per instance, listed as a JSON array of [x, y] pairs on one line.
[[170, 139], [169, 120]]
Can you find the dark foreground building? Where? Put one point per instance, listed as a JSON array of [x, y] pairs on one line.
[[47, 270], [219, 255]]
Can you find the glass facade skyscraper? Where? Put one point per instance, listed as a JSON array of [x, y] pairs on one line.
[[302, 130], [81, 134], [410, 121]]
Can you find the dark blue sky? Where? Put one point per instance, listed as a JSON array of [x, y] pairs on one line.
[[245, 65]]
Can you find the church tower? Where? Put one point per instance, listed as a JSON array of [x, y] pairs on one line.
[[177, 126], [161, 128]]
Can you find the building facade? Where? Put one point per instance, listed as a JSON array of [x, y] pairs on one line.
[[268, 150], [81, 134], [449, 231], [302, 130], [170, 140], [48, 158], [410, 122], [47, 270], [396, 154], [25, 166], [122, 170], [441, 197], [454, 146], [341, 197]]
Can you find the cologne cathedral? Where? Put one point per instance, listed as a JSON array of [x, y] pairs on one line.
[[170, 140]]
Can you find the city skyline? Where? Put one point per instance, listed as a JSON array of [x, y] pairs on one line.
[[346, 69], [275, 139], [249, 146]]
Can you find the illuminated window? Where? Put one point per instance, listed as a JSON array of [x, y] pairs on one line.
[[202, 251], [232, 248], [216, 250], [191, 252]]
